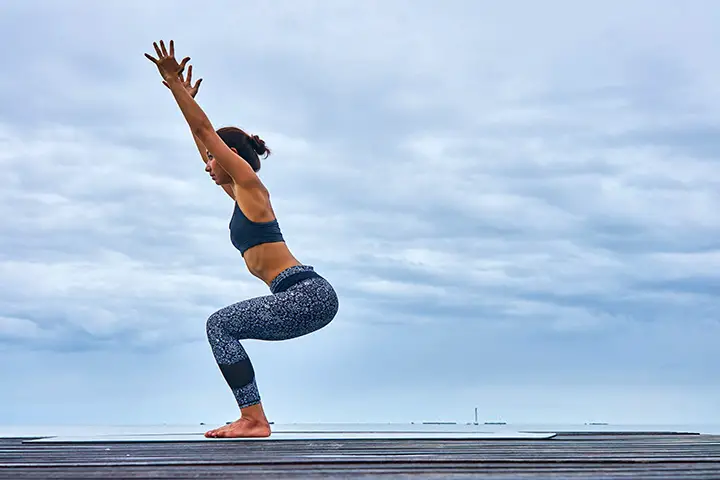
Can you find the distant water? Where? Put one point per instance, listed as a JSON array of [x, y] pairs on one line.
[[91, 430]]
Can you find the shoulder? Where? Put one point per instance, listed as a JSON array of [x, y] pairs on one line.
[[252, 185], [254, 201]]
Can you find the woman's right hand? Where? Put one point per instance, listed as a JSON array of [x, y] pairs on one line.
[[187, 82]]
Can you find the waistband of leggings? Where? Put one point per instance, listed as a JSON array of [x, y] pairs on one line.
[[291, 276]]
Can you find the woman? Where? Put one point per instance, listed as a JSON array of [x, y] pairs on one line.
[[301, 301]]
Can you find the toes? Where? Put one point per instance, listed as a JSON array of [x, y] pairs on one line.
[[217, 432]]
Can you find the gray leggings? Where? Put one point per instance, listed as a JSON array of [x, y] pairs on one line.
[[301, 302]]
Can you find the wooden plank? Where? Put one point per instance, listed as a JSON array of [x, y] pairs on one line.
[[590, 471], [576, 456]]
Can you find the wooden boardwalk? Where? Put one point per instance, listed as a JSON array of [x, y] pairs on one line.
[[567, 455]]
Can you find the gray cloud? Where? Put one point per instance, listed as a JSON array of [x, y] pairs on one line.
[[500, 199]]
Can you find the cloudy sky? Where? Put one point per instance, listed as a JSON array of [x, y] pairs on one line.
[[518, 206]]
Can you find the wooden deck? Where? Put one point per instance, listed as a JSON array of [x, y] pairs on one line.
[[567, 455]]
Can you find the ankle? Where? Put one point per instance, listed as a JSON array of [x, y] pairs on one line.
[[254, 420], [254, 414]]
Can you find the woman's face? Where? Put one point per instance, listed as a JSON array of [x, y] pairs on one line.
[[217, 173]]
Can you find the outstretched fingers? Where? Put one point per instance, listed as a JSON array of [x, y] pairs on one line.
[[156, 61], [162, 52], [183, 63], [188, 80], [166, 62]]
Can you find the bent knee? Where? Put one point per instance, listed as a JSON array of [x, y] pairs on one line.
[[215, 324]]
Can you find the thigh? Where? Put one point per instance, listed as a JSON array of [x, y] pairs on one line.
[[241, 320], [302, 309], [280, 316]]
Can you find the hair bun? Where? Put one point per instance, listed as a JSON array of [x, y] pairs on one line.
[[258, 144]]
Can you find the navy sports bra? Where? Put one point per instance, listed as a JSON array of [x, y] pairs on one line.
[[245, 233]]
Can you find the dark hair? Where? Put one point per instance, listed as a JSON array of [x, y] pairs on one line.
[[247, 146]]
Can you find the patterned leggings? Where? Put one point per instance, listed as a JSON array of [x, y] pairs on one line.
[[301, 302]]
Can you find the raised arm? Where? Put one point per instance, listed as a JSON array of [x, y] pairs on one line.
[[199, 123], [193, 91]]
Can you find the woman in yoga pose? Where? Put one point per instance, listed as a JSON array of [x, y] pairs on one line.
[[301, 301]]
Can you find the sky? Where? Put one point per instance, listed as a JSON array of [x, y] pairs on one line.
[[517, 204]]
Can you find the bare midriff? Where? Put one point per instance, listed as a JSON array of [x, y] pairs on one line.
[[267, 260]]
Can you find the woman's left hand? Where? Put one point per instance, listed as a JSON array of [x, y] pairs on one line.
[[169, 68]]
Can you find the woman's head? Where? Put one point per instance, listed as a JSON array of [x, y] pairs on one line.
[[249, 147]]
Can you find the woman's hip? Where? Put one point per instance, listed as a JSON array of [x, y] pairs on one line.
[[314, 294]]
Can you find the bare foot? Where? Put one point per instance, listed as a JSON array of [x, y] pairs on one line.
[[244, 427], [213, 433]]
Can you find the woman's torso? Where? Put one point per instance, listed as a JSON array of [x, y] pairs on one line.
[[255, 232]]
